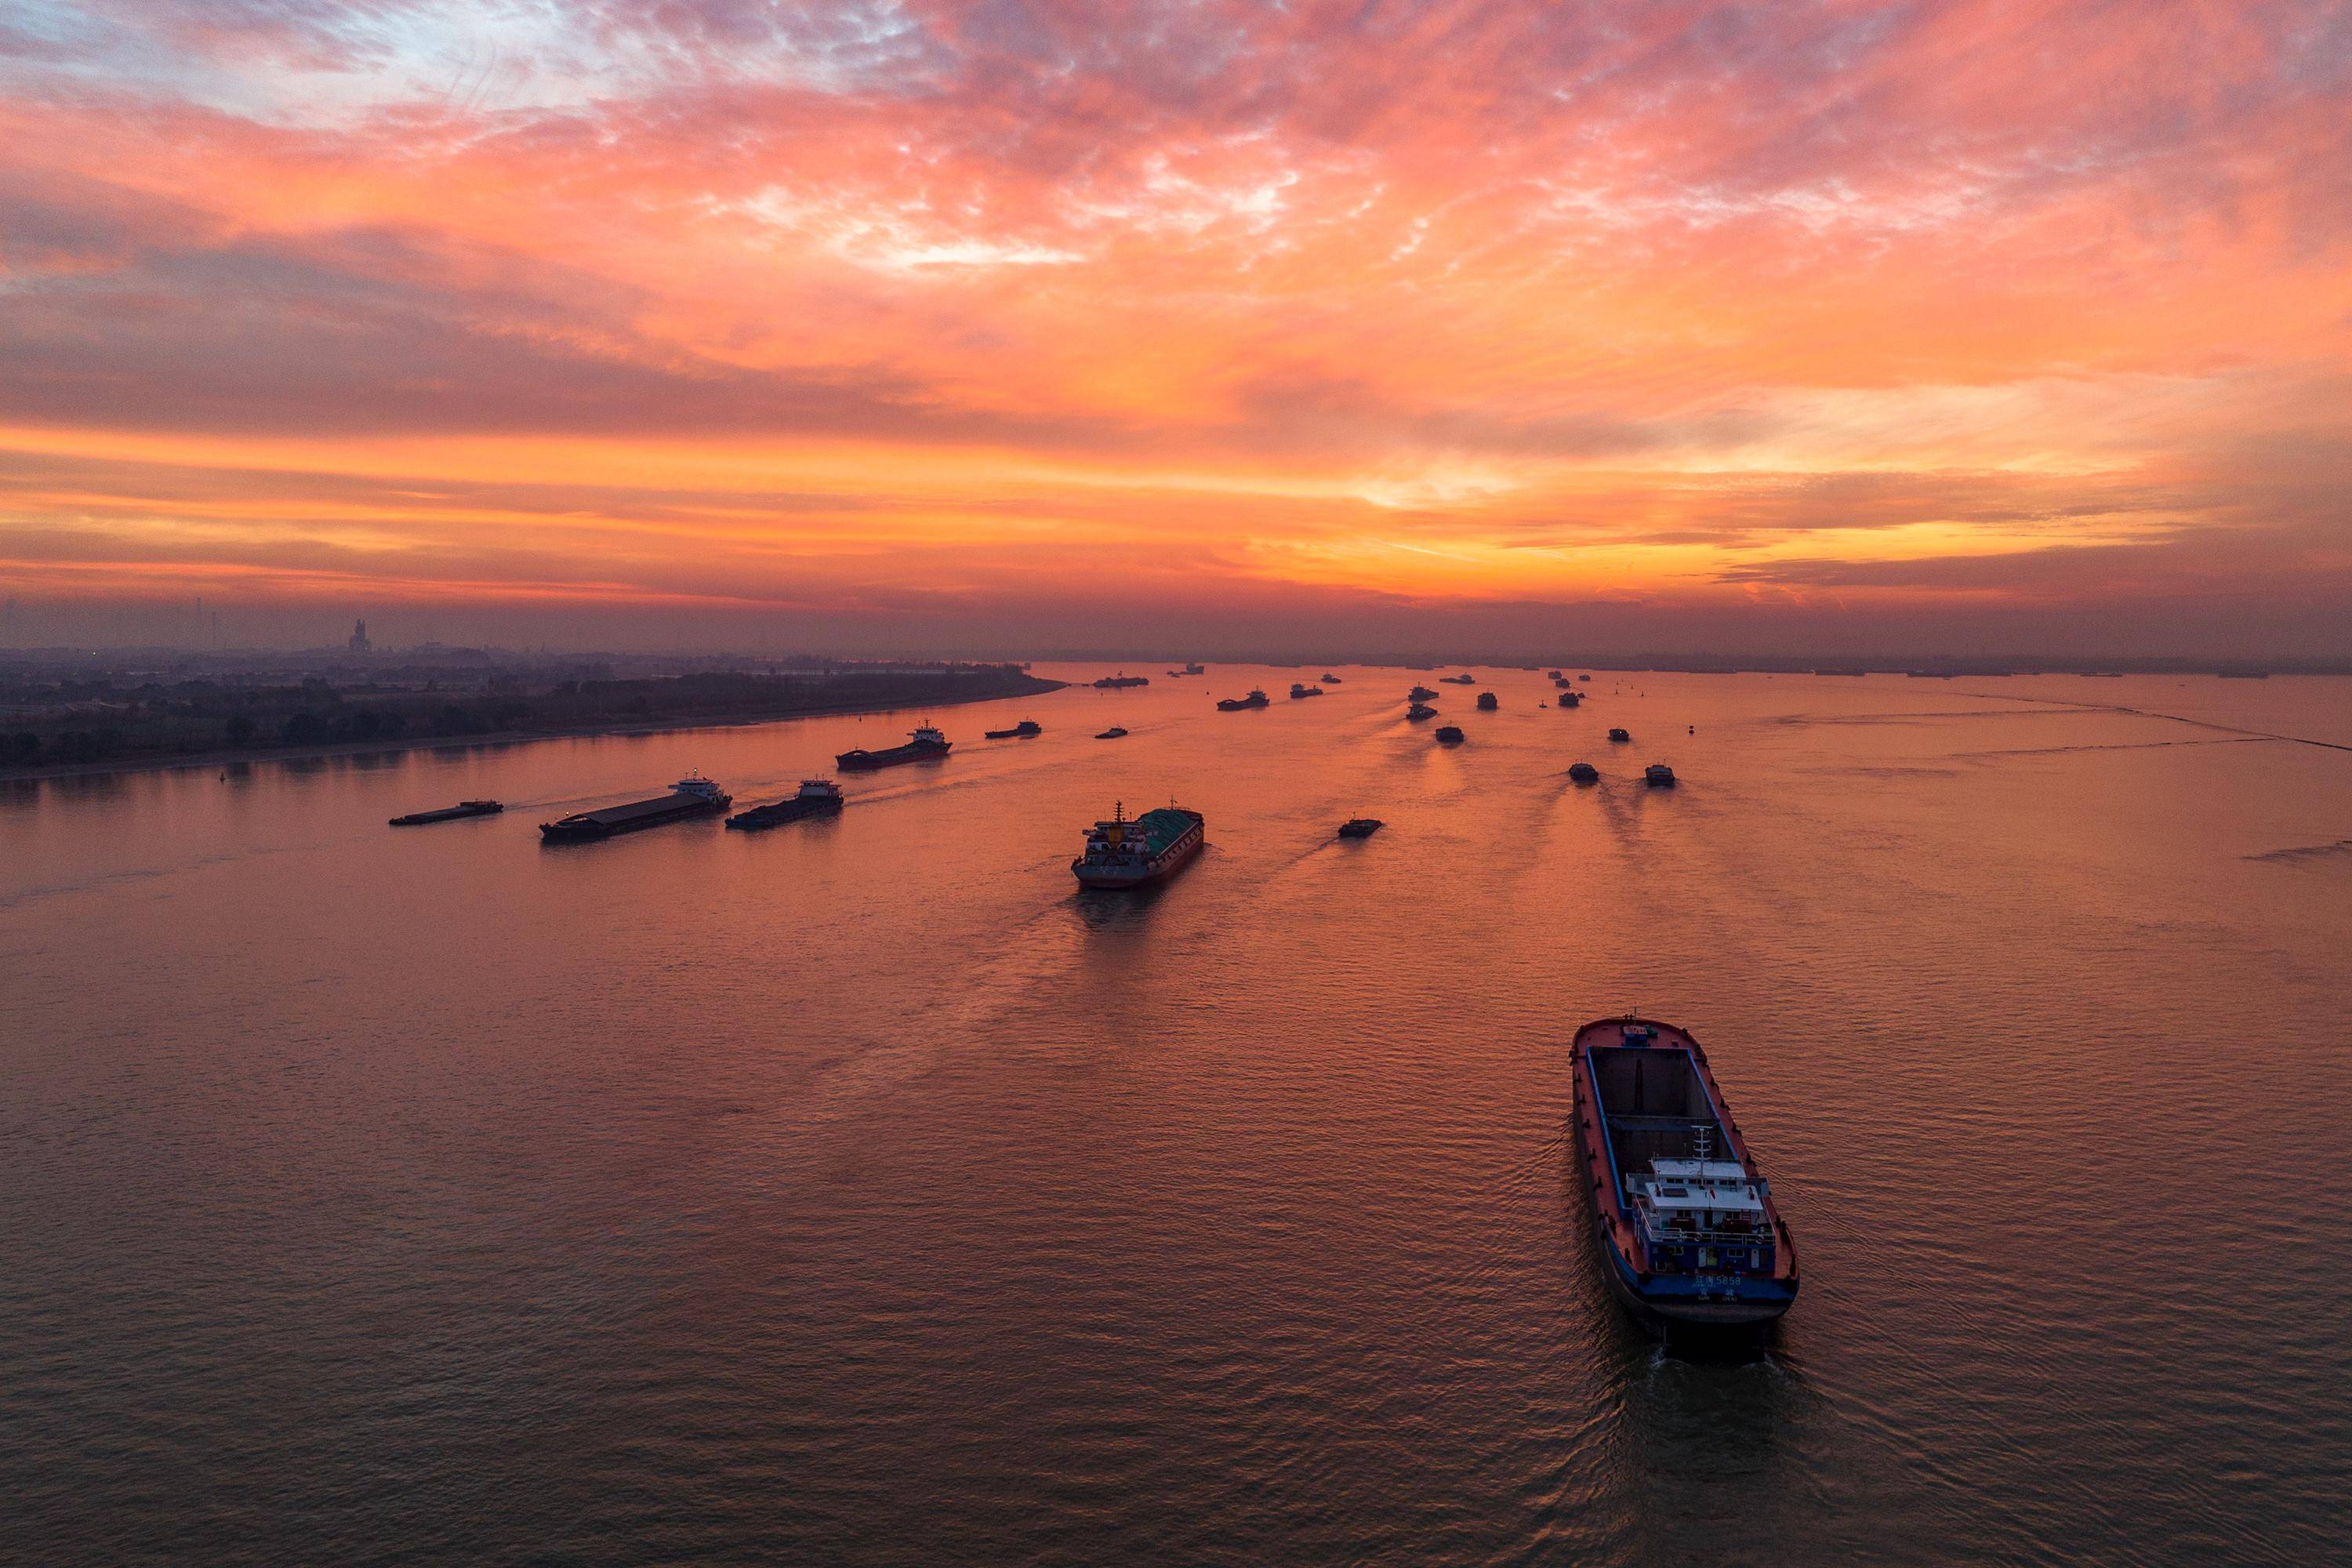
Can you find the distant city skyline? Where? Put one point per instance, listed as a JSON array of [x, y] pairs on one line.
[[1431, 329]]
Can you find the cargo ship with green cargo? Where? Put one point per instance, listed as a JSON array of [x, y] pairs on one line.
[[1120, 853]]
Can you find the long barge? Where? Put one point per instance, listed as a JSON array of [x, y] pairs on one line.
[[463, 808], [691, 796], [817, 797], [1684, 1224], [922, 742]]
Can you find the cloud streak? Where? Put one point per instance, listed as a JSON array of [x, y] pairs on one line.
[[1433, 302]]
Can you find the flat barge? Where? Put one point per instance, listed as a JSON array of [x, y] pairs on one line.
[[1682, 1222], [691, 796], [463, 808]]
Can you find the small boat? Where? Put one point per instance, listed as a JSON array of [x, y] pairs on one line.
[[1584, 678], [1457, 681], [1449, 734], [1570, 700], [1236, 704], [1421, 694], [1113, 733], [1330, 679], [1618, 735], [1419, 712], [1584, 772], [1555, 675], [1300, 689], [817, 797], [1194, 670], [447, 814], [1021, 731], [1486, 703], [1685, 1229], [1657, 775], [1359, 827]]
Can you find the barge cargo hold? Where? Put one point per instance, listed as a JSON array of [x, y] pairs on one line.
[[1684, 1224], [692, 796], [1123, 854]]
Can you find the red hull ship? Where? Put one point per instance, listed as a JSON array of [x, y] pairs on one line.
[[1682, 1222]]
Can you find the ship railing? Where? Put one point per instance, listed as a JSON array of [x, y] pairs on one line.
[[1670, 1236]]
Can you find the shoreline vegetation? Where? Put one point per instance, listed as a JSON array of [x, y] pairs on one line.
[[80, 730]]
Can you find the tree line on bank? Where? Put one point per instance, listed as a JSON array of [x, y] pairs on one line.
[[98, 720]]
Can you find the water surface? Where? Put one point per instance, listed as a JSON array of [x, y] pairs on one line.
[[859, 1191]]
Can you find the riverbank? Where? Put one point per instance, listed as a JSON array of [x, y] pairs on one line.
[[223, 757]]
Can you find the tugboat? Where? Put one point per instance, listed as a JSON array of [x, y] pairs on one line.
[[1657, 775], [1300, 689], [1236, 704], [1584, 772], [449, 813], [1330, 679], [1021, 731], [1123, 854], [1486, 703], [925, 741], [1449, 734], [692, 796], [1421, 694], [818, 797], [1113, 733], [1419, 712], [1114, 682], [1618, 735], [1685, 1229], [1361, 827], [1457, 681]]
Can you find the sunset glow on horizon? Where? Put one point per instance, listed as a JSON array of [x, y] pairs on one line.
[[2015, 324]]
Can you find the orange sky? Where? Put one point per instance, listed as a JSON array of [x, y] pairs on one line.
[[2020, 325]]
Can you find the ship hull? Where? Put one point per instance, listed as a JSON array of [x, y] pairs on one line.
[[1676, 1303], [867, 762]]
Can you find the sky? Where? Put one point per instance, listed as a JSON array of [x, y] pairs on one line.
[[1035, 325]]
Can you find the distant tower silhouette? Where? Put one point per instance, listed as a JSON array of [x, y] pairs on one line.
[[359, 643]]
